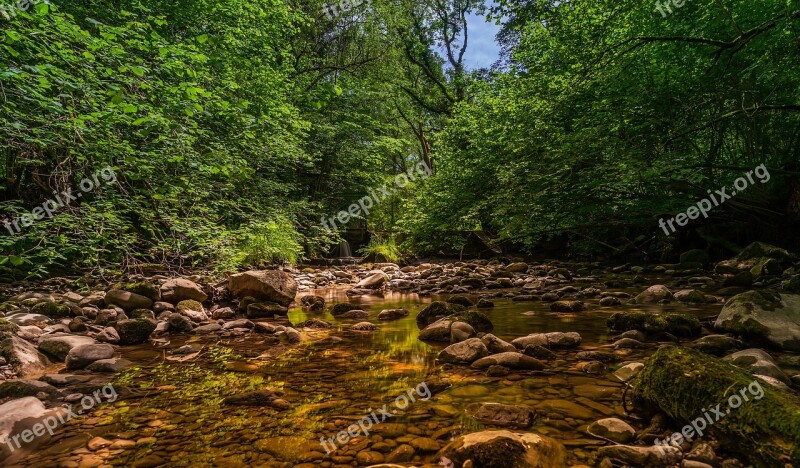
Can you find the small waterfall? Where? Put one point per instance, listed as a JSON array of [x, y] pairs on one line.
[[344, 249]]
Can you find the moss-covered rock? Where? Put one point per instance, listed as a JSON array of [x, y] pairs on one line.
[[143, 288], [686, 384], [8, 327], [505, 449], [51, 309], [759, 258], [189, 304], [436, 310], [677, 324], [764, 317], [135, 331]]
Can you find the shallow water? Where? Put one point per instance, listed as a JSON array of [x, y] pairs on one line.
[[171, 413]]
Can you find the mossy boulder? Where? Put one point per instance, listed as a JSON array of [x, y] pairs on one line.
[[764, 317], [695, 256], [142, 288], [759, 258], [685, 384], [478, 320], [436, 310], [51, 309], [8, 327], [677, 324], [136, 331], [189, 304]]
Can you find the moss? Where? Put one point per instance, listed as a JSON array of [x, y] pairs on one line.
[[761, 249], [677, 324], [189, 304], [143, 288], [6, 326], [685, 384], [51, 309]]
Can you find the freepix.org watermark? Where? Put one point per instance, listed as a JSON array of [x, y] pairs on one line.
[[59, 200], [718, 197], [10, 11], [332, 12], [50, 423], [364, 204], [665, 9], [699, 424], [365, 424]]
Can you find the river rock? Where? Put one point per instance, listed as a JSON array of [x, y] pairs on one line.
[[375, 280], [81, 356], [22, 355], [628, 371], [109, 366], [354, 314], [18, 388], [28, 319], [510, 360], [496, 414], [436, 310], [613, 429], [654, 295], [690, 296], [717, 345], [127, 300], [763, 315], [313, 303], [684, 325], [495, 345], [505, 448], [132, 332], [265, 310], [460, 331], [392, 314], [758, 258], [59, 345], [552, 339], [343, 307], [437, 331], [757, 362], [465, 352], [108, 335], [181, 289], [266, 285], [364, 326], [643, 456], [180, 323], [567, 306]]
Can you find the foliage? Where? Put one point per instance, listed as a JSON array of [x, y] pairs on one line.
[[382, 250]]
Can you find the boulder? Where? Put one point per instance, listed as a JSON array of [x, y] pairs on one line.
[[501, 449], [266, 285], [364, 326], [684, 325], [181, 289], [763, 316], [265, 310], [612, 429], [643, 456], [109, 366], [757, 362], [654, 295], [343, 307], [60, 344], [759, 258], [763, 424], [313, 303], [392, 314], [465, 352], [690, 296], [22, 355], [375, 280], [132, 332], [552, 339], [717, 345], [354, 314], [496, 414], [568, 306], [127, 300], [495, 345], [519, 267], [51, 309], [437, 331], [436, 310], [80, 357], [18, 388], [461, 331], [510, 360]]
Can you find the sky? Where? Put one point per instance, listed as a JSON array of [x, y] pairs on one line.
[[482, 49]]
